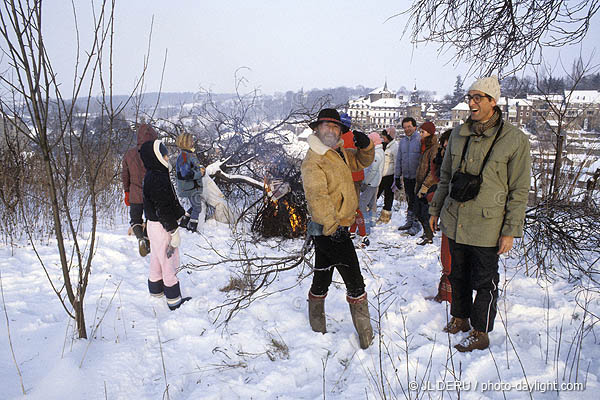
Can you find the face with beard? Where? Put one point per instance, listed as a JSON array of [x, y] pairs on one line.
[[329, 133]]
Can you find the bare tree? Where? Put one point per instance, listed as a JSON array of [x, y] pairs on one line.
[[559, 113], [75, 151], [500, 36], [561, 226]]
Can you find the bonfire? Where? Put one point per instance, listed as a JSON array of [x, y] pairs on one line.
[[283, 212]]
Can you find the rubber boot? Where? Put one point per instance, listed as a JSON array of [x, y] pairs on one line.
[[316, 312], [359, 309], [156, 289], [476, 340], [384, 217], [174, 299], [456, 325]]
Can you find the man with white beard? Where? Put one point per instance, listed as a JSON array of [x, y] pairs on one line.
[[332, 203]]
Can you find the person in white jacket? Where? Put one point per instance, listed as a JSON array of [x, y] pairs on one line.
[[390, 148], [368, 189]]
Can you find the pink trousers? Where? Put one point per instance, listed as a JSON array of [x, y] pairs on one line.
[[161, 267]]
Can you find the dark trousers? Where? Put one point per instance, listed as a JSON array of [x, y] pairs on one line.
[[385, 187], [422, 214], [409, 189], [342, 256], [136, 212], [474, 268]]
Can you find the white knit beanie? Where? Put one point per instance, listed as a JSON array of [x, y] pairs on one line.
[[488, 85]]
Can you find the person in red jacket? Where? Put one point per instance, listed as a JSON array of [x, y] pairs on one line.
[[357, 177], [132, 175]]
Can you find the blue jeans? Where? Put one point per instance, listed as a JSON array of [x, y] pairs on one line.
[[368, 205], [196, 208]]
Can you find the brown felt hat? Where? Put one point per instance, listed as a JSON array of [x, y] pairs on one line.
[[328, 115]]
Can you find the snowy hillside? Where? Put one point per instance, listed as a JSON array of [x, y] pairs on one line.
[[138, 348]]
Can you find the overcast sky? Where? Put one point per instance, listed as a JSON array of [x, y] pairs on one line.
[[287, 45]]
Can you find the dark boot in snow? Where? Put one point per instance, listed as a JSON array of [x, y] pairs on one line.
[[457, 325], [193, 225], [316, 312], [183, 222], [407, 225], [359, 309], [143, 242], [476, 340], [174, 300], [427, 237], [175, 307], [156, 289]]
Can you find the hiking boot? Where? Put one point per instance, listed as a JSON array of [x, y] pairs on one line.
[[456, 325], [193, 225], [425, 241], [365, 242], [384, 217], [359, 309], [427, 237], [143, 247], [316, 312], [476, 340], [406, 226]]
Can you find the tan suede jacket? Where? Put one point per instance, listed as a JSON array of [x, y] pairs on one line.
[[328, 184]]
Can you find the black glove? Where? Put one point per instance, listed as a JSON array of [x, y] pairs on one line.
[[340, 235], [398, 183], [361, 140]]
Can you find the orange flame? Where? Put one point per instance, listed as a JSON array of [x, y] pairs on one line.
[[294, 219]]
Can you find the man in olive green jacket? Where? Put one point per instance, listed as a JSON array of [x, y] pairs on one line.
[[332, 203], [481, 229]]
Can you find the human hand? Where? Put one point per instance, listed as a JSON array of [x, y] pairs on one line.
[[340, 235], [174, 242], [127, 199], [361, 140], [398, 183], [505, 243], [433, 223]]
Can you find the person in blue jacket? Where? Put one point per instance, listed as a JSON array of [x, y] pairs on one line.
[[407, 161], [189, 180]]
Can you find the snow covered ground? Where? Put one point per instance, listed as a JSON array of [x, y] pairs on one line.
[[268, 350]]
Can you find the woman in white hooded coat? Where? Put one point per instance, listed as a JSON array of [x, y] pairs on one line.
[[390, 147], [368, 195]]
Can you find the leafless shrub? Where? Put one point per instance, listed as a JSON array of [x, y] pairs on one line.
[[65, 158]]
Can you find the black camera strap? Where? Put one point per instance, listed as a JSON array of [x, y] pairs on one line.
[[464, 152]]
